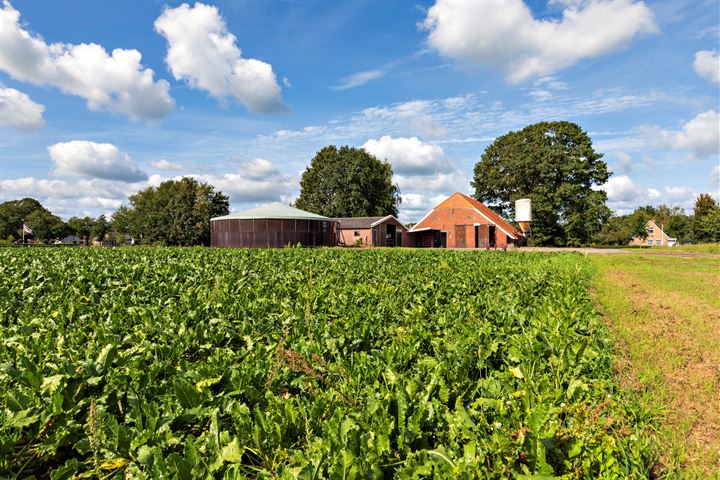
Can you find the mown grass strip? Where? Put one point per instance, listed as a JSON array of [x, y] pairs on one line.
[[665, 311]]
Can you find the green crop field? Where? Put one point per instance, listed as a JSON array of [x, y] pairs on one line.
[[205, 363]]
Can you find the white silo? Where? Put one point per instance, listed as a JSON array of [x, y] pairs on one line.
[[523, 214]]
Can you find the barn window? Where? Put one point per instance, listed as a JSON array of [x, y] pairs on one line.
[[658, 242], [356, 233], [435, 217]]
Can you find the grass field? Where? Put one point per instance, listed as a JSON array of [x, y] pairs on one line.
[[665, 312], [295, 363], [713, 248]]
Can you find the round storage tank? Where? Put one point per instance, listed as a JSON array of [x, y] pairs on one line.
[[523, 210], [273, 225]]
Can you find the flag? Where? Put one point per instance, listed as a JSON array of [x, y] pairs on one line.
[[26, 229]]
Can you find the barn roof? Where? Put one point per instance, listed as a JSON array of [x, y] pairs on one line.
[[494, 217], [479, 207], [273, 210], [363, 222]]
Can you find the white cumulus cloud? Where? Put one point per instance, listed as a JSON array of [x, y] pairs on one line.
[[80, 158], [167, 165], [700, 135], [83, 197], [409, 156], [504, 33], [707, 65], [18, 111], [116, 82], [203, 53], [625, 194], [256, 181], [259, 169], [421, 170]]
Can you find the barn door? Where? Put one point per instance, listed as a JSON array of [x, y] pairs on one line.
[[460, 236]]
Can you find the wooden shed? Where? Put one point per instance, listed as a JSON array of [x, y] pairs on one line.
[[378, 231], [460, 221], [273, 225]]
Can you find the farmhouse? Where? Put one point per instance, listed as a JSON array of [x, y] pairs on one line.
[[378, 231], [656, 237], [461, 221], [273, 225]]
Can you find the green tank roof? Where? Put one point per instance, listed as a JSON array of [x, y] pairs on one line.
[[273, 210]]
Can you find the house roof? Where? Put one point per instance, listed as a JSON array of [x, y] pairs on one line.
[[273, 210], [478, 207], [363, 222], [656, 226]]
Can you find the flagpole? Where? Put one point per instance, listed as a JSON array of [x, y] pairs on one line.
[[23, 229]]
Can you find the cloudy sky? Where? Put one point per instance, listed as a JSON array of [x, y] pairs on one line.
[[99, 99]]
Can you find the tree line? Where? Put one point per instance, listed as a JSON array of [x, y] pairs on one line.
[[703, 225], [552, 163], [177, 212]]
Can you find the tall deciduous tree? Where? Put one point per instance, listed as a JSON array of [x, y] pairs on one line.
[[177, 212], [348, 182], [554, 164], [44, 224], [13, 213], [706, 224], [82, 227], [100, 228]]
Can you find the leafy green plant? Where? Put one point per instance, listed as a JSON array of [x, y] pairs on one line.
[[205, 363]]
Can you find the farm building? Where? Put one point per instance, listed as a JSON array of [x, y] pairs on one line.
[[378, 231], [461, 221], [656, 237], [273, 225]]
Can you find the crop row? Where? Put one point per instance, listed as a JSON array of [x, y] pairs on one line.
[[295, 363]]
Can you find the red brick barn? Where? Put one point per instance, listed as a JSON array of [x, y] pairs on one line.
[[462, 222], [377, 231]]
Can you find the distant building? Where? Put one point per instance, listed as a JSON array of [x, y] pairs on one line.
[[72, 239], [656, 237], [463, 222], [377, 231]]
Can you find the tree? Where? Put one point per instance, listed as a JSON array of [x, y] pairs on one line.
[[554, 164], [177, 212], [122, 219], [14, 213], [82, 227], [705, 204], [100, 228], [348, 182], [709, 228], [619, 230], [46, 226]]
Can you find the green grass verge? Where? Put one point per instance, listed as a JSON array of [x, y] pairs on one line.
[[665, 312]]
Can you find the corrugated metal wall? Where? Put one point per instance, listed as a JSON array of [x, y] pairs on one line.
[[271, 232]]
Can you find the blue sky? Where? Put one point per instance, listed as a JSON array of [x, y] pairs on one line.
[[101, 99]]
